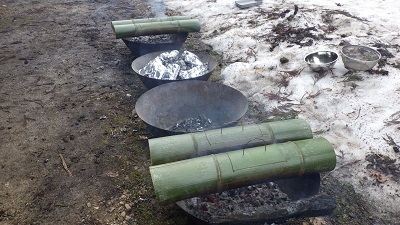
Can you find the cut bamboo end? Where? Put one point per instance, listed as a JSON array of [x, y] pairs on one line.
[[149, 20], [156, 28]]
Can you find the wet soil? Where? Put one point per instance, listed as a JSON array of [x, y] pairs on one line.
[[67, 98]]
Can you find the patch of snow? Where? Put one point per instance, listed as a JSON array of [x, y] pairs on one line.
[[351, 115]]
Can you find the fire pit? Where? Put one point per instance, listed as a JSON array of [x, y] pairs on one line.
[[139, 63], [262, 203], [153, 43], [181, 107]]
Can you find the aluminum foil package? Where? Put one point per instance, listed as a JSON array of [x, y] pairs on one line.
[[174, 65]]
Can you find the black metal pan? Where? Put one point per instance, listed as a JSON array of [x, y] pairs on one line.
[[165, 105]]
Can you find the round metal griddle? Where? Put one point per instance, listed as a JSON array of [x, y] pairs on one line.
[[165, 105], [143, 60]]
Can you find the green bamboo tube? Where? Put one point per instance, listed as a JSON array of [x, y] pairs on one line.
[[155, 28], [185, 146], [214, 173], [149, 20]]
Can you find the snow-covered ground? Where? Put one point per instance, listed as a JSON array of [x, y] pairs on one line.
[[353, 115]]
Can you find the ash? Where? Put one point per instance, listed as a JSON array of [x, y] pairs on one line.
[[193, 124], [174, 66], [242, 201]]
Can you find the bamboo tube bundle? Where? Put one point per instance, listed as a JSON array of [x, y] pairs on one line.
[[156, 28], [149, 20], [185, 146], [214, 173]]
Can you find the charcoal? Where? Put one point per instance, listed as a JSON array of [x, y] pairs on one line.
[[244, 201], [193, 124]]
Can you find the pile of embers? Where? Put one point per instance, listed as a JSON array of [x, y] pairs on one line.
[[256, 205], [175, 65], [199, 123], [246, 200]]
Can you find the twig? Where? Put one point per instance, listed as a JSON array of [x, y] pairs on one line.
[[390, 141], [65, 165], [359, 110], [39, 102]]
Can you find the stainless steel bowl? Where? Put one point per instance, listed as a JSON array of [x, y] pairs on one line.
[[321, 60], [358, 57]]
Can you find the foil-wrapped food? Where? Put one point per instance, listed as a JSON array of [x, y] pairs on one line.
[[174, 65]]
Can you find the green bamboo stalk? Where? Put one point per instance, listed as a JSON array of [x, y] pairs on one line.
[[214, 173], [149, 20], [185, 146], [155, 28]]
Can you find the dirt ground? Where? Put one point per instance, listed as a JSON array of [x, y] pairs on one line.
[[68, 93]]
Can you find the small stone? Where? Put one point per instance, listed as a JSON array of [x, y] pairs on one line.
[[284, 60], [103, 117], [12, 212], [123, 214], [127, 207], [89, 204]]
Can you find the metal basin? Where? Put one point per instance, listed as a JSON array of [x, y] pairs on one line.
[[142, 61], [164, 106], [321, 60], [139, 48], [359, 58]]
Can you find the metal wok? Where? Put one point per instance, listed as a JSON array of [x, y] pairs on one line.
[[142, 61], [139, 48], [164, 106]]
